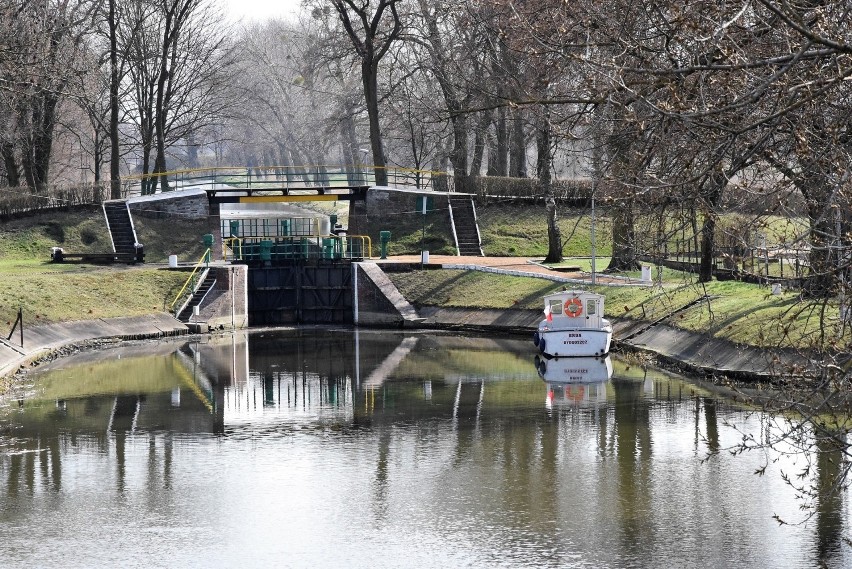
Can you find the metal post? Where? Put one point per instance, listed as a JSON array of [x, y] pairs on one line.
[[423, 234], [594, 277], [19, 322]]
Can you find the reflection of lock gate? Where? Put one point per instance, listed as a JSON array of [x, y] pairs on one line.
[[574, 307]]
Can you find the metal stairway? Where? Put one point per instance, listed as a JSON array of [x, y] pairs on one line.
[[465, 227], [122, 232], [206, 285]]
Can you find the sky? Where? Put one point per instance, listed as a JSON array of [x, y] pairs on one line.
[[259, 10]]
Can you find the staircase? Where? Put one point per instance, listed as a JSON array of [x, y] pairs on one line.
[[465, 228], [207, 283], [122, 232]]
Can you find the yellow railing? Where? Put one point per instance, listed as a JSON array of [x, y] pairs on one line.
[[205, 260], [232, 249]]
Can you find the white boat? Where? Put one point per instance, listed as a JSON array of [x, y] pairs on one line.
[[573, 325]]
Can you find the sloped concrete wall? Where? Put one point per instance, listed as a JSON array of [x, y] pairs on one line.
[[373, 306]]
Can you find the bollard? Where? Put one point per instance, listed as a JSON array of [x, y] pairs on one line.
[[384, 239], [266, 250], [208, 244]]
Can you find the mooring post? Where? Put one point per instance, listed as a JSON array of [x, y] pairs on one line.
[[19, 323]]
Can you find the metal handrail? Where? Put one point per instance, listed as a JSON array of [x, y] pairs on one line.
[[259, 178], [205, 260], [228, 245]]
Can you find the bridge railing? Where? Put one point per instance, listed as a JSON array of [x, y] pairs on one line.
[[280, 177]]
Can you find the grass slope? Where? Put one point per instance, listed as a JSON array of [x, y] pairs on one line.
[[734, 311], [49, 292]]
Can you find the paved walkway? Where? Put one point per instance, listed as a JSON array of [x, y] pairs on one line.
[[516, 266]]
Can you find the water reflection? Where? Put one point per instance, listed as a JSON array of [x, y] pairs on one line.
[[420, 450], [575, 381]]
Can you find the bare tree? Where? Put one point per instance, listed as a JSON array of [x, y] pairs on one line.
[[41, 54], [371, 36], [179, 67]]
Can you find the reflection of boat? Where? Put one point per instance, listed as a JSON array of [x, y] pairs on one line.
[[573, 325], [575, 381], [574, 370], [576, 394]]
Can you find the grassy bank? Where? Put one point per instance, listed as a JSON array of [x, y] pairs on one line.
[[734, 311], [50, 292]]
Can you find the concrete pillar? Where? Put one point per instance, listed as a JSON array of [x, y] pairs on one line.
[[215, 229]]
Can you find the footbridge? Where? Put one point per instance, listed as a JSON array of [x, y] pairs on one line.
[[284, 181], [285, 227], [237, 198]]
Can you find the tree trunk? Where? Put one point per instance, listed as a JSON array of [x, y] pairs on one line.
[[369, 72], [97, 156], [518, 148], [160, 133], [554, 235], [543, 163], [717, 182], [708, 230], [349, 145], [458, 156], [623, 232], [479, 143], [623, 236], [114, 156], [36, 158], [10, 164], [501, 132], [823, 275]]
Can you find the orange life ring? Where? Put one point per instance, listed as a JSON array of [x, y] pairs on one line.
[[573, 307]]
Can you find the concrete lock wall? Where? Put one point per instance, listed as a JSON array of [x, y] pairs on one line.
[[387, 206], [377, 301], [184, 206], [226, 305]]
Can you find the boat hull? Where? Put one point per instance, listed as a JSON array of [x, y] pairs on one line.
[[571, 343]]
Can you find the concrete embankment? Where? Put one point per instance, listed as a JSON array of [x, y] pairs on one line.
[[41, 340], [685, 350], [380, 304], [689, 351]]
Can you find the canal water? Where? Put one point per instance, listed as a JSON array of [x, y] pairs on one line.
[[341, 448]]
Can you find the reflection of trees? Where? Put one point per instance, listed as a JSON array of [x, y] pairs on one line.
[[711, 421], [831, 472], [633, 452]]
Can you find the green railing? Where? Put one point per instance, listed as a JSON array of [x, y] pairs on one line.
[[191, 281], [298, 248]]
